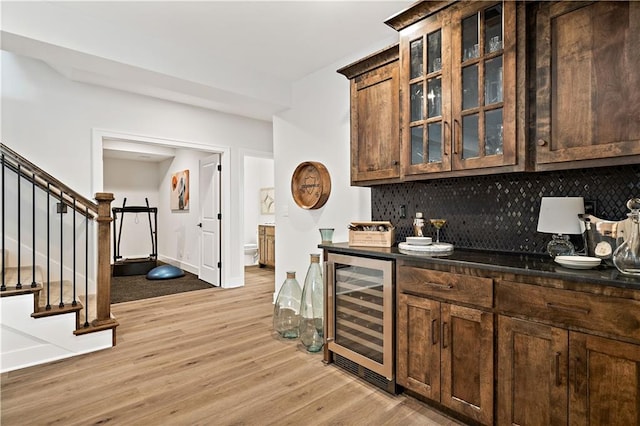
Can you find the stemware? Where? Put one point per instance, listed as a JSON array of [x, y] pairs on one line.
[[438, 224]]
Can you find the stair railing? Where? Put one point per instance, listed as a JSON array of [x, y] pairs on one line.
[[22, 172]]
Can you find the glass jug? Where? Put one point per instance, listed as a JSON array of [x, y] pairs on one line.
[[312, 307], [627, 256]]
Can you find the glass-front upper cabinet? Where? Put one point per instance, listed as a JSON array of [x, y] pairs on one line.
[[459, 76]]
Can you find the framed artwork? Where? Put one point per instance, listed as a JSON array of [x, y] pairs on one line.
[[267, 202], [180, 190]]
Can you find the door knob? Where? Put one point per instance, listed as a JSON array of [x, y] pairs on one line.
[[199, 225]]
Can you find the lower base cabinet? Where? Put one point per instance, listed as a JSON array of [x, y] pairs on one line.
[[445, 353], [551, 376]]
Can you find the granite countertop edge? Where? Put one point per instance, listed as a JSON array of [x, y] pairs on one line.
[[516, 263]]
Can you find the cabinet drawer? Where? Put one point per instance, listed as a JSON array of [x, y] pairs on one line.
[[606, 314], [445, 285]]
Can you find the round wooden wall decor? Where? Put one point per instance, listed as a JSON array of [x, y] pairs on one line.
[[310, 185]]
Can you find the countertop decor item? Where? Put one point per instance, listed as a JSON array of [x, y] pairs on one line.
[[627, 256], [419, 241], [326, 235], [418, 224], [578, 262], [310, 185], [559, 216], [430, 249], [286, 311]]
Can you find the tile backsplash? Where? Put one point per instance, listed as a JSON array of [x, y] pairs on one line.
[[500, 212]]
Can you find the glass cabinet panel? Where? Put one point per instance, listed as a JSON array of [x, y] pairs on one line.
[[416, 48], [434, 142], [470, 136], [434, 54], [417, 100], [493, 29], [470, 47], [493, 132], [470, 87], [493, 81], [434, 97], [417, 145]]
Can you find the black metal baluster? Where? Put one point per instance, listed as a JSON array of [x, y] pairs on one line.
[[86, 267], [48, 306], [74, 302], [19, 283], [62, 206], [3, 287], [33, 230]]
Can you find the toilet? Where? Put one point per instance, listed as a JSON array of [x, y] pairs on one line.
[[250, 254]]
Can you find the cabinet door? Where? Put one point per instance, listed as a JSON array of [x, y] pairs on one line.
[[262, 245], [425, 109], [588, 84], [270, 244], [532, 373], [467, 361], [483, 55], [375, 127], [604, 381], [418, 333]]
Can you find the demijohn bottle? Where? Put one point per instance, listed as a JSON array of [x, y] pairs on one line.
[[627, 256], [286, 312], [312, 307]]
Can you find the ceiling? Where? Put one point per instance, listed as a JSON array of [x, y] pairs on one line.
[[240, 57]]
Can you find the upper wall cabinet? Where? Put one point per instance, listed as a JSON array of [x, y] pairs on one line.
[[588, 84], [375, 127], [462, 85]]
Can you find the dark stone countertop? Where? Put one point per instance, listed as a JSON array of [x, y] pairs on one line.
[[515, 263]]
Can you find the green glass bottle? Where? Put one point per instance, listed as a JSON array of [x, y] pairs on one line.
[[312, 307]]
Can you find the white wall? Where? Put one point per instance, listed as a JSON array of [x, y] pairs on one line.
[[315, 129], [49, 120], [258, 173]]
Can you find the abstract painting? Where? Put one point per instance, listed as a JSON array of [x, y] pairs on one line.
[[180, 190]]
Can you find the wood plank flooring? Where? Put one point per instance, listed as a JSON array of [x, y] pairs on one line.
[[206, 357]]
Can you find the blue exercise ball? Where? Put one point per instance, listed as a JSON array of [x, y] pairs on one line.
[[165, 272]]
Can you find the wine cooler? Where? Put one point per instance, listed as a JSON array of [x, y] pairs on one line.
[[359, 328]]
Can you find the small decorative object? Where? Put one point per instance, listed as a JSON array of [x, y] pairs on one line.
[[312, 307], [267, 203], [286, 311], [627, 256], [180, 190], [371, 234], [418, 224], [326, 235], [310, 185], [438, 224], [559, 216]]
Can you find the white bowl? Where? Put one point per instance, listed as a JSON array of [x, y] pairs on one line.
[[578, 262], [419, 241]]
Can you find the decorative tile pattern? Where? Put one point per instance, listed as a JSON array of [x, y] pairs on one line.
[[500, 212]]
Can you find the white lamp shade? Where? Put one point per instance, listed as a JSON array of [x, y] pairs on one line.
[[559, 215]]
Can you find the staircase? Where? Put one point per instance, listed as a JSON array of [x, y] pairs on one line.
[[55, 290]]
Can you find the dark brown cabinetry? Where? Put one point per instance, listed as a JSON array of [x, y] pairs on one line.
[[445, 350], [463, 89], [375, 128], [267, 245], [588, 85], [550, 374]]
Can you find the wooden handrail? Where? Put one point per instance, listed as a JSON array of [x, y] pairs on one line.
[[99, 211], [42, 178]]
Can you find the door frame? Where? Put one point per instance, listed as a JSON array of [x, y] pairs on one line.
[[99, 136]]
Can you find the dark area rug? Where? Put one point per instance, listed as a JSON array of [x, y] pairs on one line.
[[136, 287]]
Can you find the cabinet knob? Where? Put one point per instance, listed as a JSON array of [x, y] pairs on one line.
[[395, 163], [542, 142]]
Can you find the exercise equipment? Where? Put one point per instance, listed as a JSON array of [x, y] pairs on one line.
[[134, 266], [165, 272]]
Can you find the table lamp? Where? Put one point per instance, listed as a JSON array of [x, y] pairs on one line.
[[559, 216]]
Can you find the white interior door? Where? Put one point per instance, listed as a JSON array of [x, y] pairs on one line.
[[210, 220]]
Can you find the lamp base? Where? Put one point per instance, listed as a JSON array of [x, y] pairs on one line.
[[560, 246]]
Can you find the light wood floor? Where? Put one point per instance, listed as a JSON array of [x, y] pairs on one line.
[[205, 357]]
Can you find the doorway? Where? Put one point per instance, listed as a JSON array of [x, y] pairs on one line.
[[179, 241]]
